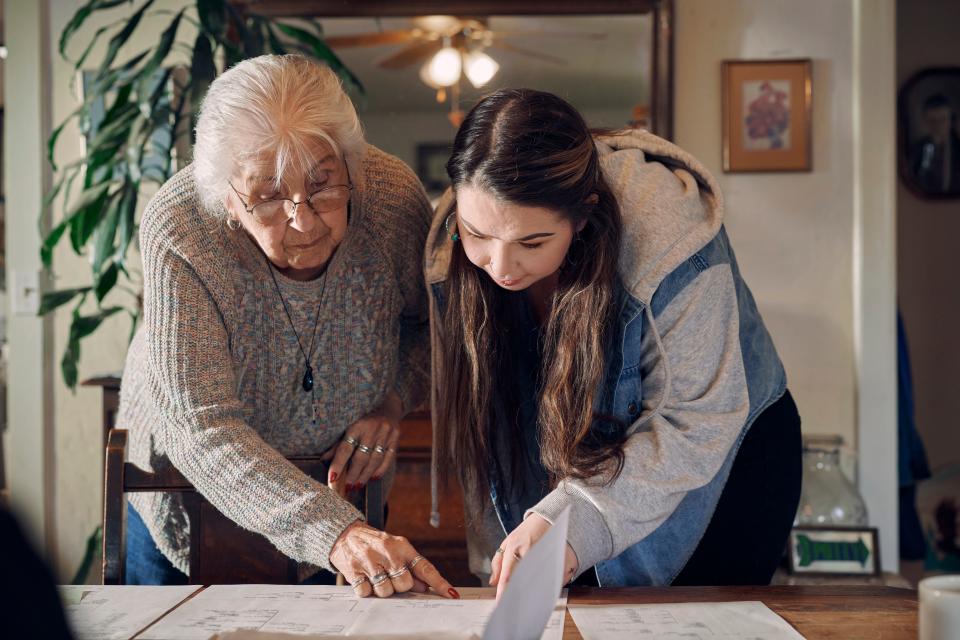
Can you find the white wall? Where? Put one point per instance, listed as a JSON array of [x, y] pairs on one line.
[[794, 233]]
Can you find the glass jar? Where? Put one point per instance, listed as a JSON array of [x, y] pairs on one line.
[[827, 497]]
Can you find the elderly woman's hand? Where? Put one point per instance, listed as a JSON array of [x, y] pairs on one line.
[[375, 562], [369, 446]]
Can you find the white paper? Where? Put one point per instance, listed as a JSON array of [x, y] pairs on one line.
[[529, 600], [690, 621], [321, 611], [118, 612]]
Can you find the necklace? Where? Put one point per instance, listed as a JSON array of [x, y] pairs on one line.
[[307, 382]]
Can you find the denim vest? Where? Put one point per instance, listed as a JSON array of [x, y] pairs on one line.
[[659, 557]]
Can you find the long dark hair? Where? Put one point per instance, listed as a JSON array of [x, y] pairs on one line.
[[529, 148]]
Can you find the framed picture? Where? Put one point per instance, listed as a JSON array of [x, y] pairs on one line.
[[766, 115], [929, 128], [432, 165], [840, 551]]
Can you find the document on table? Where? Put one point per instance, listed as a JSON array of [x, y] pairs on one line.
[[330, 611], [690, 621], [118, 612]]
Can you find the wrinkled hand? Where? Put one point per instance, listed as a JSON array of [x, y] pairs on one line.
[[369, 446], [375, 562], [516, 545]]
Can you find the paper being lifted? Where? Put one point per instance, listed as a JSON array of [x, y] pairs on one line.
[[117, 612], [690, 621]]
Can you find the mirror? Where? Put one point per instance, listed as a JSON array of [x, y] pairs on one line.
[[611, 60]]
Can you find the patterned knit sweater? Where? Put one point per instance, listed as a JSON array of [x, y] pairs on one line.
[[212, 382]]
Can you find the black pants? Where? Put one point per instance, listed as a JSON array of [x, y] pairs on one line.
[[748, 532]]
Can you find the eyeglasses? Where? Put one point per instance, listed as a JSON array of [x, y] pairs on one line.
[[277, 210]]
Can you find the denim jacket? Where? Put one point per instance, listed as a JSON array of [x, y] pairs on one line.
[[690, 367]]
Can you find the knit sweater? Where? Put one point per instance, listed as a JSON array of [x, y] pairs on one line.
[[212, 382]]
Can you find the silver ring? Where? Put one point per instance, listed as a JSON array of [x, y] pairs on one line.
[[500, 551], [414, 562], [359, 581], [362, 448], [379, 449], [517, 556], [399, 572], [380, 578], [350, 440]]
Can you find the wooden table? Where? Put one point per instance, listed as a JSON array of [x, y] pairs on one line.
[[818, 613]]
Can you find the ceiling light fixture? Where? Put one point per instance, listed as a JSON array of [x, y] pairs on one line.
[[479, 68]]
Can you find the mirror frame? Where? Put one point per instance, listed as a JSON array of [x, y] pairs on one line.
[[661, 71]]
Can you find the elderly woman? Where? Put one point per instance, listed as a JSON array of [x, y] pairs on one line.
[[284, 314]]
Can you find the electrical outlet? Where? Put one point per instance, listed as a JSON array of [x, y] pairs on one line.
[[26, 292]]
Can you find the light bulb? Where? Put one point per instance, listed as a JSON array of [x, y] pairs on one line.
[[479, 68], [444, 67]]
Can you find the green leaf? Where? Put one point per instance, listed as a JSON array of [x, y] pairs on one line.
[[50, 242], [94, 542], [68, 364], [166, 42], [106, 281], [117, 41], [276, 46], [202, 71], [127, 227], [86, 213], [213, 17], [104, 235], [321, 51], [83, 326], [53, 299], [81, 16]]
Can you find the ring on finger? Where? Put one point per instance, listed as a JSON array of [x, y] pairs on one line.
[[414, 562], [379, 450], [350, 440], [398, 572], [358, 582], [517, 556], [362, 448], [380, 578], [500, 551]]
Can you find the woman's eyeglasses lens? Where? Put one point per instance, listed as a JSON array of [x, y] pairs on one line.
[[323, 201]]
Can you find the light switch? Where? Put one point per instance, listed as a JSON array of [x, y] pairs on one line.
[[26, 292]]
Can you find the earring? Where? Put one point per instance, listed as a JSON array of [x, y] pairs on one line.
[[446, 225], [232, 223]]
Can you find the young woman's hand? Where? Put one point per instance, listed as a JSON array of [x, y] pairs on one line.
[[375, 562], [369, 446], [516, 545]]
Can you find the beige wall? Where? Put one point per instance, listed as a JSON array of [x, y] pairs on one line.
[[927, 235]]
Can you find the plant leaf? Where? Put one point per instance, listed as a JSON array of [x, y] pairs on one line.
[[117, 41], [104, 235], [85, 214], [83, 326], [106, 281], [163, 48], [53, 299], [80, 17], [94, 542], [213, 17], [50, 242]]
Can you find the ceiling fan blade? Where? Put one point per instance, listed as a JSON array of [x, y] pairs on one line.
[[412, 54], [371, 39], [544, 57]]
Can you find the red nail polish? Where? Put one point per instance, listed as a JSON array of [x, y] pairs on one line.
[[453, 593], [333, 476]]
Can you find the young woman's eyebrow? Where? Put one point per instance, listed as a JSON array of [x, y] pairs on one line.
[[532, 236]]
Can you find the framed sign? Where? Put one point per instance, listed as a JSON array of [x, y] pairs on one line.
[[929, 127], [766, 115], [841, 551]]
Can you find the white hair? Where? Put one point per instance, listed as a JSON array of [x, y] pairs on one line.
[[275, 106]]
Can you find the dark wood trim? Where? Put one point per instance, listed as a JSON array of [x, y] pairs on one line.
[[372, 8], [114, 541], [661, 88]]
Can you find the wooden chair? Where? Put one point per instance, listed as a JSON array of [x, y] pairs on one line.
[[220, 551]]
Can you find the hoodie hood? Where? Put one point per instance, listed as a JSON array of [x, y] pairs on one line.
[[670, 204], [671, 208]]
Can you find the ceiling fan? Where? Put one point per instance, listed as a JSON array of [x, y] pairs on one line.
[[447, 47]]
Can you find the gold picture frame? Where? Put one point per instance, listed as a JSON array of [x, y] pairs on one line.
[[767, 123]]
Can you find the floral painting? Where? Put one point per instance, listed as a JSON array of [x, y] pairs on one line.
[[766, 114]]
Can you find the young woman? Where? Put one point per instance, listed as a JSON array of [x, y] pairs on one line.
[[595, 347]]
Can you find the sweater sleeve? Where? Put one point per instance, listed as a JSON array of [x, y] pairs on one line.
[[679, 441], [192, 383]]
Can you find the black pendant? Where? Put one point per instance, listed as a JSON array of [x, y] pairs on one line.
[[308, 379]]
